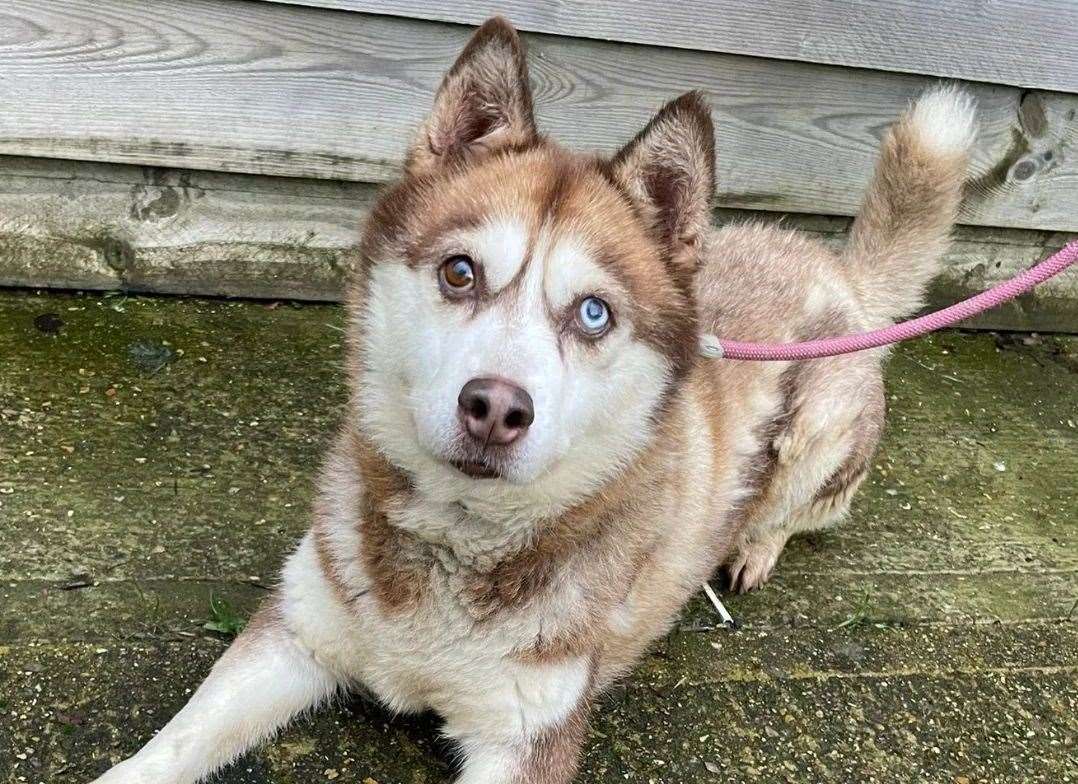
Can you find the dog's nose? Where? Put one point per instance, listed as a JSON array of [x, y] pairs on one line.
[[495, 411]]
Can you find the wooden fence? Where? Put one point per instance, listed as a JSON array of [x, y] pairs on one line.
[[232, 146]]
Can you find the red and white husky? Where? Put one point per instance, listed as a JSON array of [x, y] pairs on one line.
[[536, 470]]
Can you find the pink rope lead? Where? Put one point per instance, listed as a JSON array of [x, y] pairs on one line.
[[711, 346]]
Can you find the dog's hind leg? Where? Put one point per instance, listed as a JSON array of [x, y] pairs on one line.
[[820, 459], [756, 558], [264, 679], [759, 552]]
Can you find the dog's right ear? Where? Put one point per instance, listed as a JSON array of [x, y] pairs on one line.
[[483, 104]]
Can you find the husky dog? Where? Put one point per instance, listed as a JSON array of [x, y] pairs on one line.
[[535, 469]]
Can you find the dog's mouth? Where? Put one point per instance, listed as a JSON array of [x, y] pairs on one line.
[[475, 469]]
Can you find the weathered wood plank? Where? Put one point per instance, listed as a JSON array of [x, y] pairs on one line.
[[106, 226], [1026, 43], [276, 89]]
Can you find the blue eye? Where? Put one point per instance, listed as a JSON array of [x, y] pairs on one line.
[[593, 315]]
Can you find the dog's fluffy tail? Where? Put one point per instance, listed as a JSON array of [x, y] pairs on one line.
[[912, 201]]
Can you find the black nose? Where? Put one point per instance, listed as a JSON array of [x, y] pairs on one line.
[[495, 411]]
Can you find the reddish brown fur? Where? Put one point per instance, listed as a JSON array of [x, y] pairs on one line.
[[554, 756], [546, 185], [399, 572], [737, 456], [904, 225], [646, 212]]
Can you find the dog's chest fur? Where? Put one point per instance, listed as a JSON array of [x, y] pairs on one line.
[[468, 618], [436, 656], [425, 621]]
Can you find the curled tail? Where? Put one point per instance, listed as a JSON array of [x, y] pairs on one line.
[[905, 221]]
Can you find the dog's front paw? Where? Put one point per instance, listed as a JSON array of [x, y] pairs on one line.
[[123, 773]]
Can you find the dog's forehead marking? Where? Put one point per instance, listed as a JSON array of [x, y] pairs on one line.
[[570, 270], [564, 265], [501, 244]]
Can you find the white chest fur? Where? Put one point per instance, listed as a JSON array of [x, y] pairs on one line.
[[436, 657]]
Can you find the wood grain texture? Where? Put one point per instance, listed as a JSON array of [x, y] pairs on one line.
[[1027, 43], [276, 89], [106, 226]]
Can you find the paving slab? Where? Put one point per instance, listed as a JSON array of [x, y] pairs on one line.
[[155, 452]]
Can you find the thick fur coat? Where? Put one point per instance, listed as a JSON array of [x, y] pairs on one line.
[[502, 556]]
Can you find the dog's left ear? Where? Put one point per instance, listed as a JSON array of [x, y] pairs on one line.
[[483, 104], [669, 171]]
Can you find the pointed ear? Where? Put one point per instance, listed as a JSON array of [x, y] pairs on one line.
[[484, 102], [669, 171]]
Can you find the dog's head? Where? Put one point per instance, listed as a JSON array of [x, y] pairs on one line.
[[524, 314]]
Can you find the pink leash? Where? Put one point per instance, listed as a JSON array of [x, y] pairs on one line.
[[711, 346]]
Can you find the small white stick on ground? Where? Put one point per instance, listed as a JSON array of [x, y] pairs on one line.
[[727, 619]]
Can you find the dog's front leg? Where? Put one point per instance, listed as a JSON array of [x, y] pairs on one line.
[[526, 728], [551, 756], [264, 679]]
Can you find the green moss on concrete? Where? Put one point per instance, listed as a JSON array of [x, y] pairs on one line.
[[77, 708], [110, 612], [894, 728], [74, 708], [202, 468], [153, 451]]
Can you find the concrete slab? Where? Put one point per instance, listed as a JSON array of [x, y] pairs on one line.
[[156, 451]]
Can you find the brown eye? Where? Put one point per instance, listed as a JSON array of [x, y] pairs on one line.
[[458, 274]]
